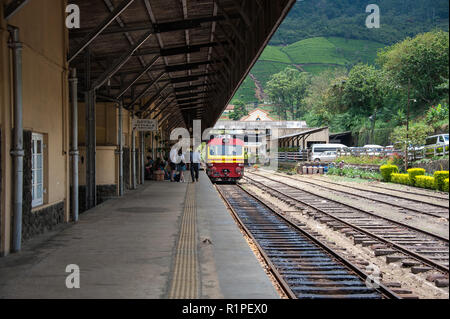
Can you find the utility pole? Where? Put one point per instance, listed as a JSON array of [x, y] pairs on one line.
[[407, 127]]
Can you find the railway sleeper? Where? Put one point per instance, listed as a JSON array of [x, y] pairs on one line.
[[441, 283], [324, 283], [350, 296], [410, 263], [310, 270], [333, 290], [384, 252], [369, 243], [395, 258], [322, 274], [420, 269]]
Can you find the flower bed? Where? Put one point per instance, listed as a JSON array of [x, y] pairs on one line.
[[355, 173]]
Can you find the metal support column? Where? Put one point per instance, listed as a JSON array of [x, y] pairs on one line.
[[91, 141], [17, 152], [91, 145], [133, 157], [74, 152], [153, 145], [120, 152], [142, 158]]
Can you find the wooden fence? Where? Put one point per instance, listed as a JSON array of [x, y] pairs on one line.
[[413, 155]]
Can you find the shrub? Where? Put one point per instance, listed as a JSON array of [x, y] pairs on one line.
[[445, 188], [387, 171], [439, 178], [363, 160], [354, 173], [414, 172], [425, 182], [400, 179]]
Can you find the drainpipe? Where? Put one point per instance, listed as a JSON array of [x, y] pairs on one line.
[[133, 156], [153, 145], [17, 152], [121, 188], [75, 153], [142, 158]]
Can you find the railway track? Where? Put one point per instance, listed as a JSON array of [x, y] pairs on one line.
[[405, 204], [305, 267], [440, 196], [414, 248]]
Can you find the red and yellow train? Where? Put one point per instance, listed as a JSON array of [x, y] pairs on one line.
[[225, 159]]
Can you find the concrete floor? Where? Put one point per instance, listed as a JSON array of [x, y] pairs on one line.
[[125, 249]]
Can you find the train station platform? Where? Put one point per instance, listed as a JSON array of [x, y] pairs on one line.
[[164, 240]]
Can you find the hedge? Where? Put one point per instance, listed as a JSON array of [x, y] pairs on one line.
[[414, 172], [445, 188], [400, 179], [387, 171], [425, 182], [439, 178]]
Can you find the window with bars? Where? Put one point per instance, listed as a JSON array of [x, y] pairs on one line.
[[37, 151]]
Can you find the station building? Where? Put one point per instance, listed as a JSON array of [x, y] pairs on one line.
[[262, 133], [68, 98]]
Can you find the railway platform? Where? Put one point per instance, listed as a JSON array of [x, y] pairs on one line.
[[165, 240]]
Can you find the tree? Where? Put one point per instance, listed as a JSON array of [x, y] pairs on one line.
[[421, 62], [287, 89], [418, 134], [239, 111], [317, 100], [358, 97]]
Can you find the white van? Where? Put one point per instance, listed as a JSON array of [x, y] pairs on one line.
[[326, 152], [373, 150], [437, 140]]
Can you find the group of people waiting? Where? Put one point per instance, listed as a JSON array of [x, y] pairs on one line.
[[175, 166]]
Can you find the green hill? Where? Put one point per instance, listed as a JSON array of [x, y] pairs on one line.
[[311, 55], [322, 34], [346, 19]]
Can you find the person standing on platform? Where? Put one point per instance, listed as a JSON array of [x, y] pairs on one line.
[[195, 165], [173, 163], [181, 167]]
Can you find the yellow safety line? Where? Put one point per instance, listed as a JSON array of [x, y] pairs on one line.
[[185, 276]]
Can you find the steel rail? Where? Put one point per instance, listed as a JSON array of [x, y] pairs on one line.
[[383, 290], [405, 250], [413, 193], [371, 198], [283, 284], [356, 208]]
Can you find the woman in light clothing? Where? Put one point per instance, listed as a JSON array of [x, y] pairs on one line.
[[181, 167]]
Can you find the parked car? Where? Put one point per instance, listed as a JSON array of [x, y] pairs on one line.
[[374, 150], [326, 157], [326, 152], [437, 140]]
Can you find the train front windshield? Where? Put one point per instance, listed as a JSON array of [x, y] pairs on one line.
[[226, 150]]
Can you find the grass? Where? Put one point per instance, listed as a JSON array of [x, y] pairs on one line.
[[314, 50], [274, 54], [263, 70], [355, 173], [315, 55], [246, 92], [319, 68], [355, 51]]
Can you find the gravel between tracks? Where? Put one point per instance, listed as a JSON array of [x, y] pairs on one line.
[[428, 223], [369, 186], [258, 256], [390, 272]]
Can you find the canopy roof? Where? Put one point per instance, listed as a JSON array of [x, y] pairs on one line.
[[301, 134], [184, 59]]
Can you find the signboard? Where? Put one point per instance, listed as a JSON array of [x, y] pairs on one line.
[[145, 125]]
